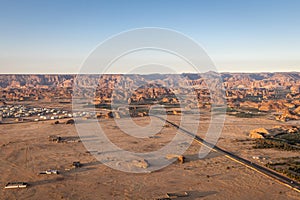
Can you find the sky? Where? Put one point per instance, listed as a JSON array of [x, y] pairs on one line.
[[40, 36]]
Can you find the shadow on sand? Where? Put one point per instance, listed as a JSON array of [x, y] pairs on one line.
[[190, 195], [195, 157]]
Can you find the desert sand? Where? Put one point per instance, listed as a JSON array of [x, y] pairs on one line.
[[26, 150]]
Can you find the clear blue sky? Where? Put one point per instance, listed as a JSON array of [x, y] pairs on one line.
[[55, 36]]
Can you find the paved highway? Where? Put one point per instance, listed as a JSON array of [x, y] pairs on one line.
[[260, 169]]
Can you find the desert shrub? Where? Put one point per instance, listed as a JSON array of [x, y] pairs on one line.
[[290, 169], [293, 138], [269, 143], [228, 109], [247, 114]]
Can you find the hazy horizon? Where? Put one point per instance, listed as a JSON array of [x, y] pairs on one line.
[[235, 72]]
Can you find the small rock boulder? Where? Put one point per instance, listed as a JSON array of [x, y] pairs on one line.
[[180, 158], [258, 133], [70, 121]]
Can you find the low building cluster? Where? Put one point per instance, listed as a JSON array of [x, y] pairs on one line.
[[20, 112]]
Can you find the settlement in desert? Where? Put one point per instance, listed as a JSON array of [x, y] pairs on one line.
[[256, 155]]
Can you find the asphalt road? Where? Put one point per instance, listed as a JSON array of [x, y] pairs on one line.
[[260, 169]]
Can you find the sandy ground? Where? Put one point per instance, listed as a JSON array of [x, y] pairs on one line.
[[25, 151]]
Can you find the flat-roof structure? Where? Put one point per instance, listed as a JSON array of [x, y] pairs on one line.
[[12, 185]]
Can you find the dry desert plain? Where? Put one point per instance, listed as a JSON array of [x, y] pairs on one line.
[[26, 150]]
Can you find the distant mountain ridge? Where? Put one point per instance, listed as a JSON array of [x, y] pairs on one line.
[[229, 79]]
